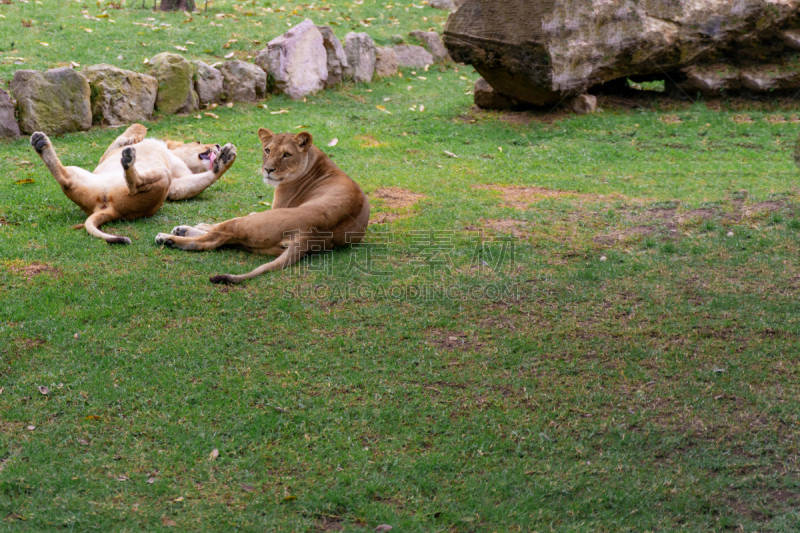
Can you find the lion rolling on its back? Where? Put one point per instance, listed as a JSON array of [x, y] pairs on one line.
[[316, 206]]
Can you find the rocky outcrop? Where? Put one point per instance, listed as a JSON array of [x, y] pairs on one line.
[[207, 83], [296, 62], [120, 96], [9, 129], [243, 82], [541, 52], [433, 43], [447, 5], [175, 75], [360, 50], [336, 58], [412, 56], [55, 101], [487, 98], [385, 62]]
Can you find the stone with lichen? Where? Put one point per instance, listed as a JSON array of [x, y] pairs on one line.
[[55, 101], [120, 96], [175, 75]]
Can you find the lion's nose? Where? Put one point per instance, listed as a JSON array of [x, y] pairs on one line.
[[269, 170]]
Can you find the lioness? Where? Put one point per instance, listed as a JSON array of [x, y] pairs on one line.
[[316, 207], [135, 176]]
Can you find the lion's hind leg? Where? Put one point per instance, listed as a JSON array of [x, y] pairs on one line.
[[191, 231]]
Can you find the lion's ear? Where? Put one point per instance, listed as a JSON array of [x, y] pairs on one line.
[[303, 140], [265, 136], [171, 145]]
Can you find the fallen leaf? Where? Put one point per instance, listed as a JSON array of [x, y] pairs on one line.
[[228, 56], [168, 522], [83, 442], [74, 64], [45, 44], [122, 477], [300, 126], [151, 480], [248, 488], [334, 142], [262, 203], [44, 390], [422, 108], [381, 108], [229, 104], [2, 389], [146, 61], [214, 454], [281, 112], [289, 498], [24, 182], [93, 417], [178, 499], [181, 48], [383, 527], [87, 30], [451, 154], [212, 115], [76, 336], [31, 428]]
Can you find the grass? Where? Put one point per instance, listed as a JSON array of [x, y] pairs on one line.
[[630, 368]]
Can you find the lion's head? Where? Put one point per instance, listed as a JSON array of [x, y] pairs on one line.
[[198, 157], [286, 156]]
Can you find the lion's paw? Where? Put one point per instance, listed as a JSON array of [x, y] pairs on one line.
[[165, 239], [128, 157], [180, 231], [225, 159], [39, 141]]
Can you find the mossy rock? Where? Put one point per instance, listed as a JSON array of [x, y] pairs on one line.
[[120, 96], [55, 101], [176, 92]]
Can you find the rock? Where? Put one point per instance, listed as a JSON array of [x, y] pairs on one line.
[[487, 98], [791, 38], [433, 43], [175, 77], [584, 104], [409, 55], [360, 50], [710, 80], [541, 52], [243, 82], [9, 129], [55, 101], [207, 83], [296, 62], [120, 96], [337, 59], [385, 62], [447, 5]]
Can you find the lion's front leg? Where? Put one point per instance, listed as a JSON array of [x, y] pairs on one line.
[[190, 186]]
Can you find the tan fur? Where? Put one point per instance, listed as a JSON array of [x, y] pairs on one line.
[[315, 205], [135, 176]]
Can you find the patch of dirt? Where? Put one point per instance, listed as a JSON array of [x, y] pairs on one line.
[[520, 197], [329, 523], [742, 119], [29, 344], [368, 141], [450, 340], [670, 119], [770, 206], [694, 214], [34, 269], [396, 197], [393, 198], [624, 235], [3, 221], [517, 228]]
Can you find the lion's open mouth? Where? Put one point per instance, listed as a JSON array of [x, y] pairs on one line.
[[208, 156]]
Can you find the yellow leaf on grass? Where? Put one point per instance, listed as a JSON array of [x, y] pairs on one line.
[[281, 112], [214, 454], [24, 182], [212, 115], [87, 30], [381, 108], [45, 44]]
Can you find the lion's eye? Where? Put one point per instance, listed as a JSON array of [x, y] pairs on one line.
[[286, 155], [266, 151]]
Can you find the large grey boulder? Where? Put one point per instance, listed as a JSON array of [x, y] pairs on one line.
[[385, 62], [412, 56], [55, 101], [243, 82], [207, 83], [542, 52], [447, 5], [296, 62], [9, 129], [360, 50], [175, 75], [433, 43], [120, 96], [337, 59]]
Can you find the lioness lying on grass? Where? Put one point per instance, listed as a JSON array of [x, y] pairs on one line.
[[135, 176], [316, 207]]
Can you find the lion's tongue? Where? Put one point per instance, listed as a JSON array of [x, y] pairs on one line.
[[211, 157]]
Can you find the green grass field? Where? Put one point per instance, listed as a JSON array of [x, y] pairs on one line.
[[588, 324]]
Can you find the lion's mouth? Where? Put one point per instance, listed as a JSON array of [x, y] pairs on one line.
[[208, 156]]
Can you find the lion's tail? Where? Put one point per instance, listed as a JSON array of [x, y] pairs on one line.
[[289, 257], [97, 219]]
